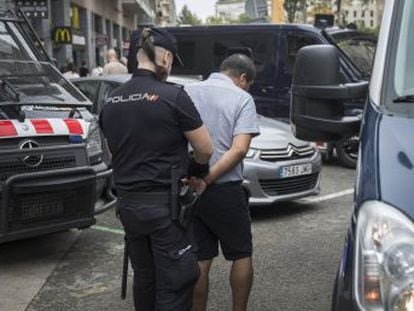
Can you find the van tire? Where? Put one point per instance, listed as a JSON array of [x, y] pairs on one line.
[[344, 158]]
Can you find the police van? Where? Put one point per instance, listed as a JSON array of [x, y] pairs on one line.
[[376, 271], [52, 169], [274, 49]]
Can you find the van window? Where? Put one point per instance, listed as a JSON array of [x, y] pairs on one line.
[[187, 53], [260, 46], [294, 43]]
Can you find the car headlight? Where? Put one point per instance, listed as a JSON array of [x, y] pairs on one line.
[[251, 153], [94, 144], [384, 267]]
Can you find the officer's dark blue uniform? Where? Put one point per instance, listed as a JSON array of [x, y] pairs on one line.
[[144, 123]]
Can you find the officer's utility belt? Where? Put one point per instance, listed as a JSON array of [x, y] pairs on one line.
[[180, 200], [161, 198]]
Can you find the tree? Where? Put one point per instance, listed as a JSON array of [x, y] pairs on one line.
[[220, 20], [187, 17], [293, 6], [244, 19], [216, 20]]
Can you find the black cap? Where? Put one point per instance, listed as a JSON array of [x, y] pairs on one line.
[[167, 41]]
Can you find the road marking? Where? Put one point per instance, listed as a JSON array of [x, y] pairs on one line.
[[111, 230], [302, 201], [327, 197]]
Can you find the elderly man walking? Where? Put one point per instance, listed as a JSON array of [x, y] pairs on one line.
[[222, 216], [113, 66]]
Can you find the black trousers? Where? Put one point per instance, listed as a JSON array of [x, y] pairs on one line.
[[161, 254]]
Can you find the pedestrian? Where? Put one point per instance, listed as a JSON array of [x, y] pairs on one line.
[[71, 71], [97, 71], [124, 61], [84, 70], [148, 124], [113, 66], [222, 215]]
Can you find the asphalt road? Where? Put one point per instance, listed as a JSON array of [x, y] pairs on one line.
[[297, 247]]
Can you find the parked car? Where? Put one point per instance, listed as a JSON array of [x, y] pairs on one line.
[[376, 271], [274, 49], [278, 167], [52, 171]]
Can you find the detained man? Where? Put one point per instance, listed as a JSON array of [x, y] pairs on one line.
[[222, 216]]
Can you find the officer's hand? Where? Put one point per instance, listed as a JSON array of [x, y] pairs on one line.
[[198, 184]]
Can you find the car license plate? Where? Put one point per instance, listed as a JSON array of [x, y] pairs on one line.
[[295, 170]]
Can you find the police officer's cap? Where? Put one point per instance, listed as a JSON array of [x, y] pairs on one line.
[[167, 41]]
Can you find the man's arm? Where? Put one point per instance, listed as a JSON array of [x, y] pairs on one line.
[[200, 140], [236, 154]]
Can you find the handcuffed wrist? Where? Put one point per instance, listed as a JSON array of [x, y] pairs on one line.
[[198, 170]]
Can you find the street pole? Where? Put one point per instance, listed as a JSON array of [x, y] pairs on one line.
[[338, 11], [278, 12]]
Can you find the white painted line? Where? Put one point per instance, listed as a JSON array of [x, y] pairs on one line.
[[110, 230], [327, 197]]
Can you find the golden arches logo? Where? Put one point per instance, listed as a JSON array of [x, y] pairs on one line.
[[63, 35]]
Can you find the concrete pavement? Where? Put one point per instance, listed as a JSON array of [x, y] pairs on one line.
[[297, 249]]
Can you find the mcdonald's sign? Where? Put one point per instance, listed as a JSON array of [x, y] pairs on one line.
[[62, 35]]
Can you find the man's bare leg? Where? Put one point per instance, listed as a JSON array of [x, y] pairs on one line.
[[200, 296], [241, 280]]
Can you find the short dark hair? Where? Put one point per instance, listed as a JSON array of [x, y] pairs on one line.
[[238, 64]]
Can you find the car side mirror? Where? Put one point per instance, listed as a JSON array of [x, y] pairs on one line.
[[317, 104]]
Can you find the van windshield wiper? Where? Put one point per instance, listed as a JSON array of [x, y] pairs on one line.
[[14, 97], [12, 92], [404, 99]]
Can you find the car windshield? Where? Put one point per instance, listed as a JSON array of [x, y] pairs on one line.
[[359, 50], [404, 57], [35, 82]]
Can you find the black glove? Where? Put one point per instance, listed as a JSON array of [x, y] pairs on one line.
[[198, 170]]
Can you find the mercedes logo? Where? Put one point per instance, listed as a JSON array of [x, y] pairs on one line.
[[33, 160]]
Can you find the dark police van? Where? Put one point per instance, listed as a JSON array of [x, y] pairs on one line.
[[52, 168], [274, 49], [377, 267]]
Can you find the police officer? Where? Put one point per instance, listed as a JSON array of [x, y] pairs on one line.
[[148, 123]]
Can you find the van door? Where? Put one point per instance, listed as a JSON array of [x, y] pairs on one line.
[[262, 48], [291, 43]]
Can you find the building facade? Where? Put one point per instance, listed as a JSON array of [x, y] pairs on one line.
[[230, 9], [165, 13], [83, 30], [365, 14]]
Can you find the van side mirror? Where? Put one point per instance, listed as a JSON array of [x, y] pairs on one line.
[[317, 106]]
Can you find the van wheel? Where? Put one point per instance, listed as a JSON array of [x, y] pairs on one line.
[[347, 151]]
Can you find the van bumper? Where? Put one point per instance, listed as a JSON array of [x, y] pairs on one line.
[[39, 203]]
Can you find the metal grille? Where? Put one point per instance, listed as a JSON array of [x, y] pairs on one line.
[[30, 209], [274, 187], [44, 141], [11, 168], [289, 153]]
